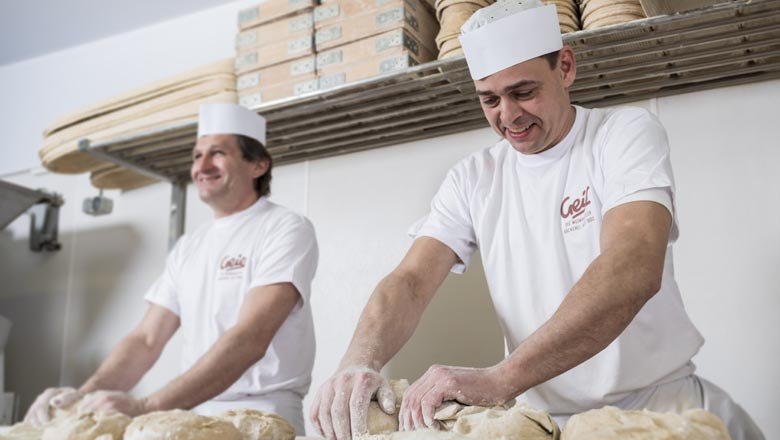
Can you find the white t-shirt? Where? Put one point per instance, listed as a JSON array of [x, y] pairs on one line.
[[210, 272], [537, 219]]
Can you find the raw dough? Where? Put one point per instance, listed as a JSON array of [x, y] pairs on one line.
[[180, 425], [89, 426], [420, 434], [378, 421], [255, 425], [464, 422], [610, 423], [22, 431], [519, 422]]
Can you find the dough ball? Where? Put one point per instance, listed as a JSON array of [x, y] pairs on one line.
[[420, 434], [180, 425], [517, 423], [89, 426], [378, 421], [610, 423], [255, 425], [22, 431]]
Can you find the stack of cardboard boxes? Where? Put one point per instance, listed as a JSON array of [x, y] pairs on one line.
[[359, 39], [289, 47], [275, 51]]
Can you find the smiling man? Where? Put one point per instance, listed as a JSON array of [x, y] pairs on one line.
[[238, 288], [573, 212]]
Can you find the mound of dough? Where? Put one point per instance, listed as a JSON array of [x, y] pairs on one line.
[[255, 425], [519, 422], [180, 425], [22, 431], [420, 434], [379, 422], [89, 426], [458, 421], [610, 423]]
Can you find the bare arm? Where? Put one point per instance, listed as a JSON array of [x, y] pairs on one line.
[[398, 302], [597, 309], [136, 353], [603, 302], [387, 322], [262, 313]]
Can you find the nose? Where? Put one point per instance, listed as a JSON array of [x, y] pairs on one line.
[[201, 164], [510, 111]]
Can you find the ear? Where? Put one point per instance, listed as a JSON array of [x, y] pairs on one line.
[[260, 168], [567, 66]]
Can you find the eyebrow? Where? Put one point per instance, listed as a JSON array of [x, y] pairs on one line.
[[509, 88]]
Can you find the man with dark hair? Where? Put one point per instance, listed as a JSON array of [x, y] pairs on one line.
[[238, 288], [573, 212]]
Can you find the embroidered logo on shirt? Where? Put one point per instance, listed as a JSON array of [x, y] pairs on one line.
[[231, 267], [575, 212]]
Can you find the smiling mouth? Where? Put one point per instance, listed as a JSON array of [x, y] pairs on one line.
[[519, 132]]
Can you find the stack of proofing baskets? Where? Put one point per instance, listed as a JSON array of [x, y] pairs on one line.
[[452, 14], [170, 101], [275, 51]]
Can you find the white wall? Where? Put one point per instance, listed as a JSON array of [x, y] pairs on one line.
[[70, 307]]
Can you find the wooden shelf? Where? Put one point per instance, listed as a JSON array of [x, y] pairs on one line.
[[732, 43]]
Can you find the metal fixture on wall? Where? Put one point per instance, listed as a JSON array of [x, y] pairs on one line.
[[97, 205], [43, 208]]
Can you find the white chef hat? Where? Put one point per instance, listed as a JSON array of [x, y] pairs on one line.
[[509, 32], [228, 118]]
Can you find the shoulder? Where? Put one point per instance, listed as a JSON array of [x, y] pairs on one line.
[[482, 162], [620, 118], [279, 218]]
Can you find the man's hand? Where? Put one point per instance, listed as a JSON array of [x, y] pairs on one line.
[[469, 386], [112, 401], [40, 411], [340, 408]]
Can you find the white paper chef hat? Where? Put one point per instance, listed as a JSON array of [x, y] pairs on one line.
[[228, 118], [509, 32]]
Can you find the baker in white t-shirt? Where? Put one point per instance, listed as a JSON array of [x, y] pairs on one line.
[[573, 213], [237, 287]]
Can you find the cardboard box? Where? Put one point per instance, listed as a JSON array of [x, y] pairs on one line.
[[255, 96], [279, 74], [667, 7], [271, 10], [275, 53], [269, 33], [390, 44], [392, 61], [395, 14]]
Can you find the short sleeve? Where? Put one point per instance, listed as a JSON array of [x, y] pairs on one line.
[[163, 292], [637, 166], [289, 255], [449, 220]]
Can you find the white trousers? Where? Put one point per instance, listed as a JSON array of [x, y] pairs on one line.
[[288, 405], [688, 393]]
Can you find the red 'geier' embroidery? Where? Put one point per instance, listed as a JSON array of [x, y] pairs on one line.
[[577, 207]]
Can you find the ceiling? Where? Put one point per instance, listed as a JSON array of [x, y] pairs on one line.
[[30, 28]]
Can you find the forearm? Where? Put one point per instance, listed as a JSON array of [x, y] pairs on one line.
[[594, 313], [212, 374], [124, 367], [387, 322]]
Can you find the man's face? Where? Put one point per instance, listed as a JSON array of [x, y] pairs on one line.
[[528, 103], [220, 172]]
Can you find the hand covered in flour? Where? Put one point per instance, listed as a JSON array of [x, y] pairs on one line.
[[40, 411], [112, 401], [340, 408], [469, 386]]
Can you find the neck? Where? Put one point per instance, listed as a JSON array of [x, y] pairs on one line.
[[571, 115], [234, 206]]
